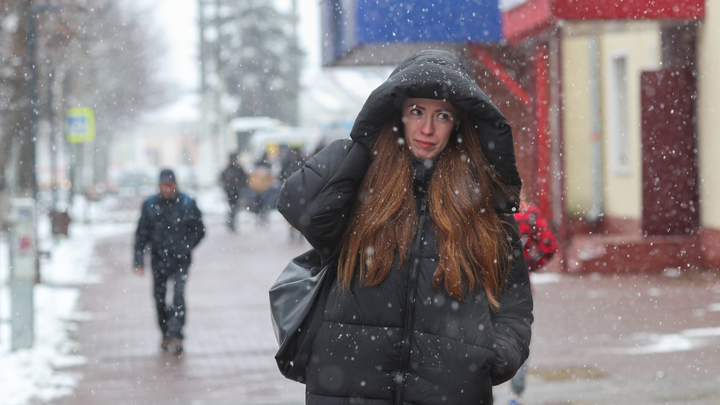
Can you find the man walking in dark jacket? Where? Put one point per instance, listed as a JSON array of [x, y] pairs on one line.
[[234, 181], [171, 225]]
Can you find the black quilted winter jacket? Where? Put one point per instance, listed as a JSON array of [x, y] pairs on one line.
[[403, 342]]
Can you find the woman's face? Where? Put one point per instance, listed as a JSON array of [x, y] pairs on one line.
[[428, 124]]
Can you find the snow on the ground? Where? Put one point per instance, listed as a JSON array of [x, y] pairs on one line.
[[687, 339], [544, 278], [31, 374]]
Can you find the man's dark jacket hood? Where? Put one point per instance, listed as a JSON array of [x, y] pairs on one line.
[[441, 75]]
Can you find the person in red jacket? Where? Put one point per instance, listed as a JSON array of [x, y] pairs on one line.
[[539, 243]]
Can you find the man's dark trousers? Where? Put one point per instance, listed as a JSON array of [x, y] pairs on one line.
[[171, 316], [234, 204]]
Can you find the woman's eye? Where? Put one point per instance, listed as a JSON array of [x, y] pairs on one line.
[[444, 116], [415, 111]]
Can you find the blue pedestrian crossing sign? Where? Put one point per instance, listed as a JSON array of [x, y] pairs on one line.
[[80, 124]]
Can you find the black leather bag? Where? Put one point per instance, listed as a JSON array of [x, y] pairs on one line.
[[297, 302]]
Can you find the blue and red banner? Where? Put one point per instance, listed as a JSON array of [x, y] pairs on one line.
[[350, 25]]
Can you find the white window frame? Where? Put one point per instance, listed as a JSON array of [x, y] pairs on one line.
[[619, 113]]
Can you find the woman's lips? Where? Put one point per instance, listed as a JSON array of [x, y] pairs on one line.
[[425, 145]]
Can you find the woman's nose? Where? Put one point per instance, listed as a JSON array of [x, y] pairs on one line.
[[427, 127]]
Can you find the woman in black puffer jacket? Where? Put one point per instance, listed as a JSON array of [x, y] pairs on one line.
[[433, 302]]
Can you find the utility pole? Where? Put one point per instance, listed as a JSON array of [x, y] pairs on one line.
[[205, 143], [213, 142], [296, 40], [203, 67], [295, 20], [31, 137]]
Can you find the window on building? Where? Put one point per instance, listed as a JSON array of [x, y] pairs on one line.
[[619, 125]]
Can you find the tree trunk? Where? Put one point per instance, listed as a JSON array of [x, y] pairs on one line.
[[17, 127]]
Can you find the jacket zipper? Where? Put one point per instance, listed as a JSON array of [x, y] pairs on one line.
[[410, 306]]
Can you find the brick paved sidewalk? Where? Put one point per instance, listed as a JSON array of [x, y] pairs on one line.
[[229, 343], [625, 339]]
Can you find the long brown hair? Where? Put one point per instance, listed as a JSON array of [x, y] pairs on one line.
[[473, 245]]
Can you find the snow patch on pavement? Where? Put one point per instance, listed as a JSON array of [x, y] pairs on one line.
[[687, 339]]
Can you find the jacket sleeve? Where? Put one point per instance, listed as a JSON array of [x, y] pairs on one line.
[[142, 234], [317, 199], [512, 321], [195, 226]]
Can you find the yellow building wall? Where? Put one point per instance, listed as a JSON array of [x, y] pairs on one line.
[[708, 114], [576, 125], [641, 48]]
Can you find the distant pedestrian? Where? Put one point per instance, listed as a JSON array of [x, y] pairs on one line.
[[290, 162], [432, 303], [261, 184], [539, 246], [171, 225], [234, 182]]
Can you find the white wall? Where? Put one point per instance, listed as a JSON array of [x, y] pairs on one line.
[[708, 111]]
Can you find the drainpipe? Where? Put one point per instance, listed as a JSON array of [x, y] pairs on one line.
[[595, 212], [558, 140]]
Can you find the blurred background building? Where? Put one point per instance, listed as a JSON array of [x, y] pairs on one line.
[[611, 104]]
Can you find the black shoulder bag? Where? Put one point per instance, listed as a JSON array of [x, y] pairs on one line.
[[297, 302]]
